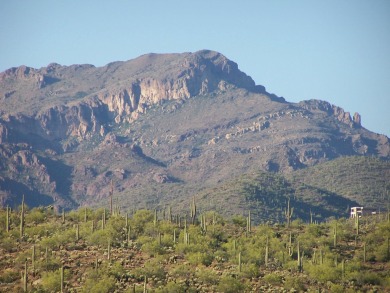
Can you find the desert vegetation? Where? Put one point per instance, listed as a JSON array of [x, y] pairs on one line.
[[95, 250]]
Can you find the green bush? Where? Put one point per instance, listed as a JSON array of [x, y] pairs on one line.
[[9, 276], [172, 287], [153, 247], [239, 220], [152, 268], [324, 273], [140, 219], [293, 282], [99, 238], [273, 279], [228, 284], [197, 258], [51, 281], [35, 216], [250, 270], [336, 288], [207, 276], [98, 283], [184, 271], [8, 244]]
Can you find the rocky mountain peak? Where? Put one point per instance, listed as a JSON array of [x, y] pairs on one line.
[[189, 118]]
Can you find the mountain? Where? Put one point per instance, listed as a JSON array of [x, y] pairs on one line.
[[160, 129]]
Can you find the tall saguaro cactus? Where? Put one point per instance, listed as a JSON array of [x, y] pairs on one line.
[[33, 258], [25, 278], [193, 210], [239, 262], [62, 278], [7, 222], [22, 219], [288, 212], [266, 253], [249, 223], [111, 195]]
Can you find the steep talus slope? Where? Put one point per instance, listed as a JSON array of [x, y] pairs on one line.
[[162, 127]]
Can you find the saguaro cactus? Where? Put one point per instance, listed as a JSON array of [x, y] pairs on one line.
[[193, 210], [155, 219], [288, 212], [145, 283], [25, 277], [169, 214], [364, 252], [299, 259], [266, 253], [62, 278], [111, 195], [7, 222], [109, 251], [239, 262], [33, 258], [63, 216], [104, 219], [77, 232], [289, 245], [249, 222], [22, 219]]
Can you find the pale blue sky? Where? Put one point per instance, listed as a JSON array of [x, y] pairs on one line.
[[337, 51]]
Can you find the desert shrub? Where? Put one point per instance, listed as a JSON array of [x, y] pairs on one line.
[[239, 220], [182, 271], [294, 283], [315, 230], [172, 287], [98, 283], [190, 248], [228, 284], [99, 237], [367, 278], [153, 247], [116, 228], [139, 220], [197, 258], [323, 273], [51, 281], [167, 240], [381, 252], [52, 264], [250, 270], [207, 276], [116, 270], [9, 276], [273, 279], [166, 227], [49, 242], [152, 268], [336, 288], [35, 216], [8, 244], [221, 256]]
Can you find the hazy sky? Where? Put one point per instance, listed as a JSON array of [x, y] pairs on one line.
[[337, 51]]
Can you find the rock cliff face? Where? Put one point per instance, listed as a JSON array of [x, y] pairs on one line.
[[196, 74], [180, 120]]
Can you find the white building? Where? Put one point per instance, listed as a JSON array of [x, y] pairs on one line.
[[356, 212]]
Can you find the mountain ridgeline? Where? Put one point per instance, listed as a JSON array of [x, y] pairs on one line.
[[162, 128]]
